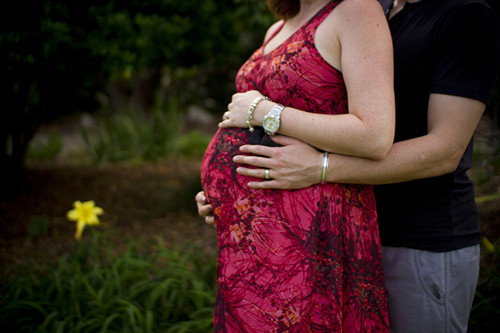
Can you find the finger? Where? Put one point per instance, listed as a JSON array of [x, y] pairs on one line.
[[267, 185], [199, 206], [225, 123], [209, 220], [285, 140], [205, 210], [255, 173], [256, 161], [201, 198], [235, 95], [258, 150]]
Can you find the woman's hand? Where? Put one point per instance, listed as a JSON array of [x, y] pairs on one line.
[[204, 209], [237, 111]]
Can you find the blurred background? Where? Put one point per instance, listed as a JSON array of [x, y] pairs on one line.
[[115, 101]]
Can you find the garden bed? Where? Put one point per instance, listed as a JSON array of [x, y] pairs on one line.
[[141, 202]]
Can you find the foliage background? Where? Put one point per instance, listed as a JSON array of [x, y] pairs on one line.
[[61, 57], [103, 100]]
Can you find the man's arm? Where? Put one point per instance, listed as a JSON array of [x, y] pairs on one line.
[[452, 121]]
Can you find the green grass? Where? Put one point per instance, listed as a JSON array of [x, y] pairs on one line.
[[150, 288], [96, 288], [486, 307]]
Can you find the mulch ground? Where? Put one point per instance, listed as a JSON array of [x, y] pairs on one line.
[[140, 202]]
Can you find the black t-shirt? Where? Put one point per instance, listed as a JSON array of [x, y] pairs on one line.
[[448, 47]]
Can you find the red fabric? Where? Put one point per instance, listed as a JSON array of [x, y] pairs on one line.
[[293, 261]]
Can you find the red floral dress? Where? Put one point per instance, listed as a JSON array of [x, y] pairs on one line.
[[297, 260]]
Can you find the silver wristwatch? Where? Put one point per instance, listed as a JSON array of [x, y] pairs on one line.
[[271, 121]]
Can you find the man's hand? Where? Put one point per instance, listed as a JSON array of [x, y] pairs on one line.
[[204, 209], [292, 166]]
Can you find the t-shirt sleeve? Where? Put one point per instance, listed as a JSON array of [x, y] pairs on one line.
[[468, 54]]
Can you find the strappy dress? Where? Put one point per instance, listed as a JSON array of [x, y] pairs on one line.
[[305, 260]]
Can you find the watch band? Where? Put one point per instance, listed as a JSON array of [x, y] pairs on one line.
[[271, 121]]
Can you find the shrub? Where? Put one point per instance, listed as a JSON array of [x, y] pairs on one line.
[[486, 305], [97, 288], [47, 149]]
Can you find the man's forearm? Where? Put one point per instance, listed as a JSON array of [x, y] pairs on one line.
[[407, 160], [298, 165], [452, 121]]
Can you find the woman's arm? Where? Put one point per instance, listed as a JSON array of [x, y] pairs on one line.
[[452, 122], [356, 38]]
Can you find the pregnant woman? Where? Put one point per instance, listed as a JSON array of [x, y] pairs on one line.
[[305, 260]]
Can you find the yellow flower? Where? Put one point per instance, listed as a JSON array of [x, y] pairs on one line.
[[488, 245], [85, 213]]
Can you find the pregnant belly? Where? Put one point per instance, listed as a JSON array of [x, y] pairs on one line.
[[218, 171]]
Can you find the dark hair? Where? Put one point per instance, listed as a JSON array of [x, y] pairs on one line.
[[284, 9]]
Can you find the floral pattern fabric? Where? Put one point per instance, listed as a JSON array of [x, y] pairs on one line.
[[303, 260]]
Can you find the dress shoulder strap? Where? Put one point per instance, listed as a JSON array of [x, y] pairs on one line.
[[275, 32], [323, 13]]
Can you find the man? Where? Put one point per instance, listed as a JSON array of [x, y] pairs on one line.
[[446, 56]]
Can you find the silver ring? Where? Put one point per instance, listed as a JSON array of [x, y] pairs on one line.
[[266, 174]]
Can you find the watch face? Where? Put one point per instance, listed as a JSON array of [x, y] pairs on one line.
[[271, 124]]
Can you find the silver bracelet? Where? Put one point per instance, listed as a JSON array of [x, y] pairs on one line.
[[252, 108], [324, 167]]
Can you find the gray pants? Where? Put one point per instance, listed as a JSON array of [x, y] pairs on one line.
[[430, 292]]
